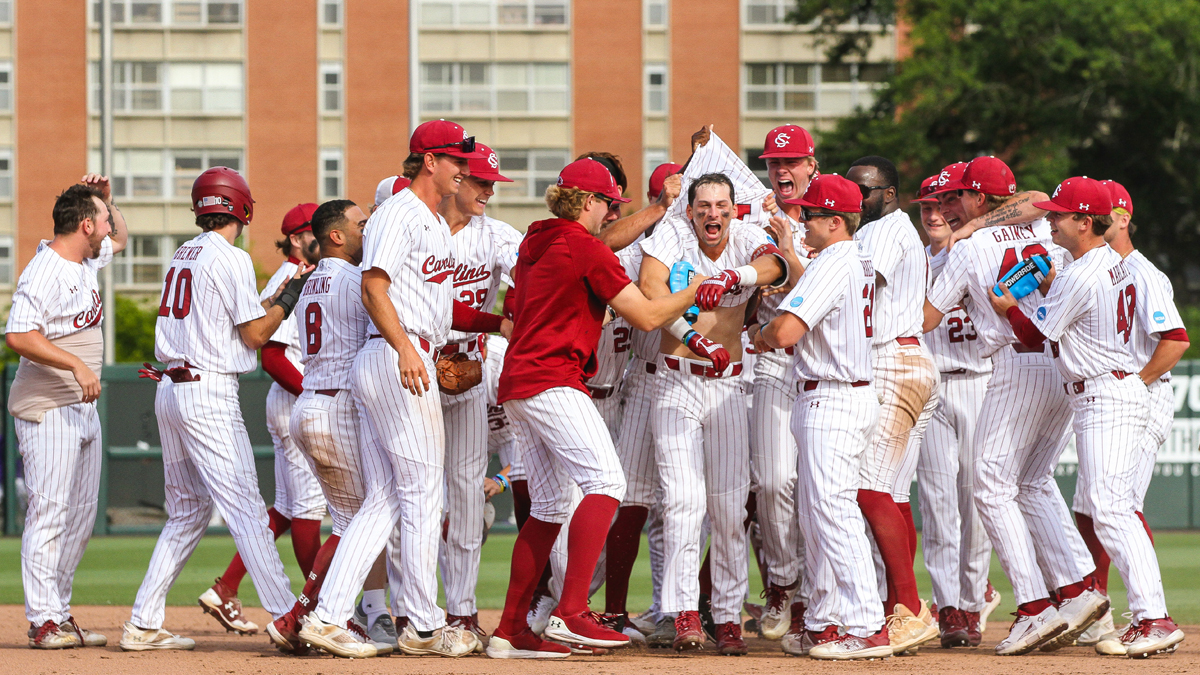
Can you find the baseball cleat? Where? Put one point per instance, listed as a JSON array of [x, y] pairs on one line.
[[797, 641], [284, 633], [1096, 632], [689, 636], [1080, 612], [849, 647], [992, 597], [585, 629], [448, 641], [50, 635], [135, 639], [729, 640], [645, 622], [470, 623], [225, 607], [334, 639], [524, 645], [381, 635], [777, 611], [706, 618], [953, 624], [87, 637], [906, 630], [539, 616], [621, 624], [754, 623], [1151, 636], [1028, 632], [663, 635]]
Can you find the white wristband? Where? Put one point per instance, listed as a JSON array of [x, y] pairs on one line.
[[747, 276], [679, 328]]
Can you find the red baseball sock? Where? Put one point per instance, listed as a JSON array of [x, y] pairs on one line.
[[1072, 590], [706, 574], [316, 577], [530, 554], [1141, 516], [906, 512], [585, 540], [891, 537], [306, 541], [521, 502], [278, 524], [1087, 530], [1035, 607], [624, 539]]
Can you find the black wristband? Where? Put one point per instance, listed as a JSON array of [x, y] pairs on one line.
[[291, 295]]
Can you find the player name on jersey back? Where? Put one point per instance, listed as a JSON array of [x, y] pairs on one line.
[[331, 323]]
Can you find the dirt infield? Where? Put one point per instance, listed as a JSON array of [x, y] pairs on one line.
[[227, 654]]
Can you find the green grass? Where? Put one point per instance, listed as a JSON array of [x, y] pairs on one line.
[[113, 568]]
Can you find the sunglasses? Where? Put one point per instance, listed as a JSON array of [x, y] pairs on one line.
[[466, 145], [608, 201], [811, 215], [866, 190]]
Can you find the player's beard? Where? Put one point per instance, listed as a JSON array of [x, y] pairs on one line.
[[97, 244], [872, 212], [312, 253]]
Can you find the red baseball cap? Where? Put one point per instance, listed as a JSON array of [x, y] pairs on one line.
[[388, 187], [948, 179], [298, 219], [788, 140], [1079, 195], [1120, 196], [660, 176], [989, 176], [488, 167], [590, 176], [925, 194], [444, 138], [832, 192]]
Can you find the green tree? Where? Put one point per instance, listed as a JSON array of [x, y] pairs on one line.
[[134, 331], [1056, 88]]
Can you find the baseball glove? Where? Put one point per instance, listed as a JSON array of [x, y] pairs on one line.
[[457, 373]]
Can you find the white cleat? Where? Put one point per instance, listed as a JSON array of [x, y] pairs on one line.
[[1155, 636], [135, 639], [1080, 613], [334, 639], [645, 622], [777, 611], [539, 616], [1096, 632], [1030, 632], [992, 599], [450, 641], [50, 635], [636, 638]]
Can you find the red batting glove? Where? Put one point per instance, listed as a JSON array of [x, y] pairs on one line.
[[713, 288], [150, 372], [713, 351]]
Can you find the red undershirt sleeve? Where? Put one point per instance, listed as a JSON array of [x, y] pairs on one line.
[[1024, 329], [1176, 334], [277, 365], [471, 320]]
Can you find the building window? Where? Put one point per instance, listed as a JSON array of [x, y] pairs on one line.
[[492, 13], [172, 12], [6, 90], [768, 12], [5, 11], [331, 173], [155, 175], [185, 88], [145, 259], [654, 157], [656, 88], [6, 174], [331, 87], [331, 12], [835, 89], [532, 171], [494, 87], [187, 164], [6, 261], [656, 13]]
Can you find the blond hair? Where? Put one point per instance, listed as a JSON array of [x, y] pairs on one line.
[[566, 203]]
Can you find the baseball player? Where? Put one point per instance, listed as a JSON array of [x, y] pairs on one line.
[[299, 505], [486, 250], [210, 322], [1023, 421], [956, 549], [388, 187], [332, 326], [906, 380], [1157, 342], [564, 278], [699, 419], [1088, 316], [827, 317], [624, 231], [54, 326], [407, 288]]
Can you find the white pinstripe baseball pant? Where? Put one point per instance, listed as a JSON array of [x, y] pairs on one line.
[[466, 463], [1158, 429], [773, 465], [834, 425], [699, 426], [956, 548], [403, 473], [207, 458], [62, 457], [902, 488], [1022, 430], [326, 430], [905, 379], [1110, 425], [297, 492], [635, 444]]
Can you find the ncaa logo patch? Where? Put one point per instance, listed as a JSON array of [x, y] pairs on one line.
[[1041, 313], [796, 301], [1159, 317]]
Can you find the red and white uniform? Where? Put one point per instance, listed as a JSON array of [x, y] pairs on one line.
[[612, 357], [635, 445], [905, 376], [59, 439], [208, 292], [956, 548], [700, 432], [331, 324], [833, 419], [1024, 420], [404, 445], [502, 440], [1089, 318], [485, 250], [297, 492]]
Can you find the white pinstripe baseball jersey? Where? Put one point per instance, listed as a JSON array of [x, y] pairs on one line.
[[717, 157], [57, 297], [769, 307], [1090, 313], [413, 246], [643, 344], [896, 252], [673, 242], [1154, 306], [612, 354], [331, 324], [500, 430], [207, 294], [975, 265], [485, 251], [953, 342], [286, 333], [834, 299]]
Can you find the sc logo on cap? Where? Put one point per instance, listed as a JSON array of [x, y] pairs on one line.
[[1041, 313], [1159, 317], [782, 140], [796, 301]]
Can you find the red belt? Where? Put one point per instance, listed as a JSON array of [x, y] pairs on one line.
[[1078, 387], [651, 368], [1022, 349], [456, 347], [424, 343], [703, 371], [601, 393], [182, 374], [908, 341], [809, 385], [328, 392]]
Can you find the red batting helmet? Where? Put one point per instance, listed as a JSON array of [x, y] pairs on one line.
[[223, 190]]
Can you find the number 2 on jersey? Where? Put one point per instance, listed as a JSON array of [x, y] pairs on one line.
[[620, 339], [181, 306], [869, 296], [1126, 305]]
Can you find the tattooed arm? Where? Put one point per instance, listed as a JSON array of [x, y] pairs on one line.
[[1018, 209]]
